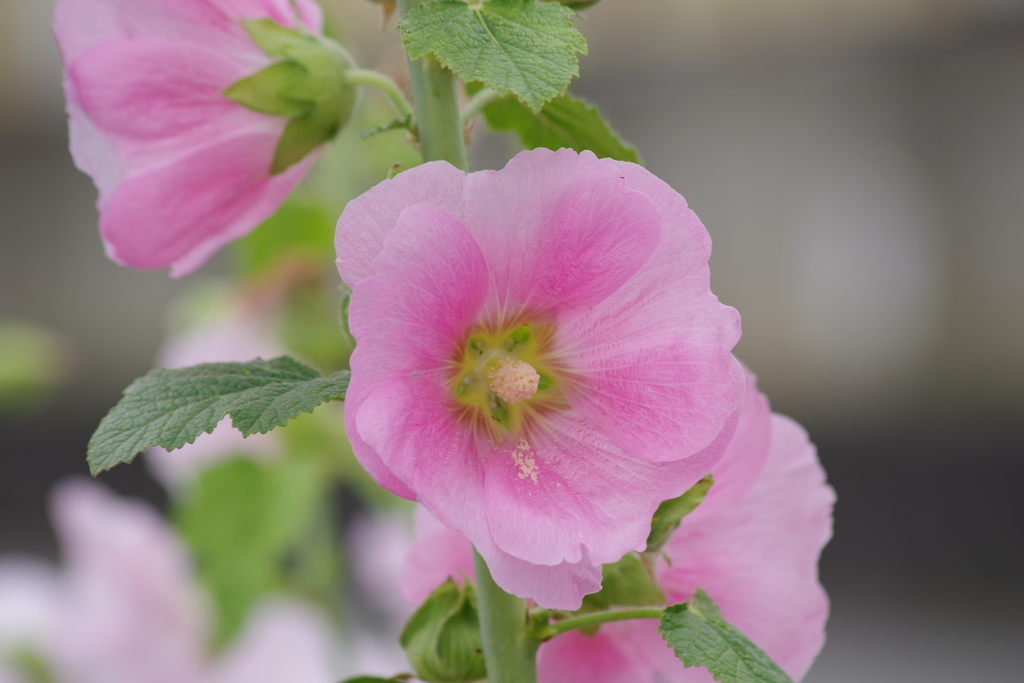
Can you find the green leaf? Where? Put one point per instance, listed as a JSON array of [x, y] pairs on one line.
[[241, 519], [442, 638], [170, 408], [519, 46], [671, 512], [565, 121], [699, 636], [372, 679], [624, 583]]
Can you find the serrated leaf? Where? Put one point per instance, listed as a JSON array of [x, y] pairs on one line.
[[671, 512], [519, 46], [697, 633], [626, 584], [170, 408], [565, 121]]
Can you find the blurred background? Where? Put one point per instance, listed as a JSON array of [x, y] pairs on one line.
[[860, 167]]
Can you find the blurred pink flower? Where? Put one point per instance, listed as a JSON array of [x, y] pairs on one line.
[[540, 359], [127, 609], [753, 545], [181, 170]]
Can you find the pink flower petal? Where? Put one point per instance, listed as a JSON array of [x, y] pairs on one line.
[[560, 586], [437, 554], [150, 89], [133, 612], [183, 212], [652, 363], [559, 231], [567, 489], [603, 657], [758, 558], [368, 219], [747, 452], [431, 454], [430, 286]]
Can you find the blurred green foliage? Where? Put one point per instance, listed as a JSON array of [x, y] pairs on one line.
[[34, 362]]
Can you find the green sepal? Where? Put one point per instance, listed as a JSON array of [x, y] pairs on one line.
[[625, 583], [263, 91], [523, 47], [306, 84], [169, 408], [565, 121], [699, 636], [442, 638], [671, 512]]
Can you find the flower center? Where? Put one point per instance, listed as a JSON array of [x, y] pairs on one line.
[[513, 380], [499, 375]]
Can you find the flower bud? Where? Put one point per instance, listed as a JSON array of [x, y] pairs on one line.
[[442, 639]]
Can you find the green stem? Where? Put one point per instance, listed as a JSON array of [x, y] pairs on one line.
[[478, 102], [510, 654], [378, 80], [435, 100], [600, 618]]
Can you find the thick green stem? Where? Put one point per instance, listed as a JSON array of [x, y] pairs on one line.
[[600, 618], [511, 655], [435, 100]]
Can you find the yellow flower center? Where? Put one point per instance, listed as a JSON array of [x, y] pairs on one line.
[[502, 375]]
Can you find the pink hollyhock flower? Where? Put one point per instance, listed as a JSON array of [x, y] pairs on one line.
[[181, 170], [753, 545], [133, 613], [540, 360]]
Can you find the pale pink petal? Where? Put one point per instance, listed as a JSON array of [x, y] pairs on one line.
[[368, 219], [432, 454], [437, 554], [559, 232], [560, 586], [83, 24], [182, 213], [283, 640], [758, 558], [134, 614], [611, 655], [150, 89], [410, 319], [566, 488], [651, 363], [747, 452]]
